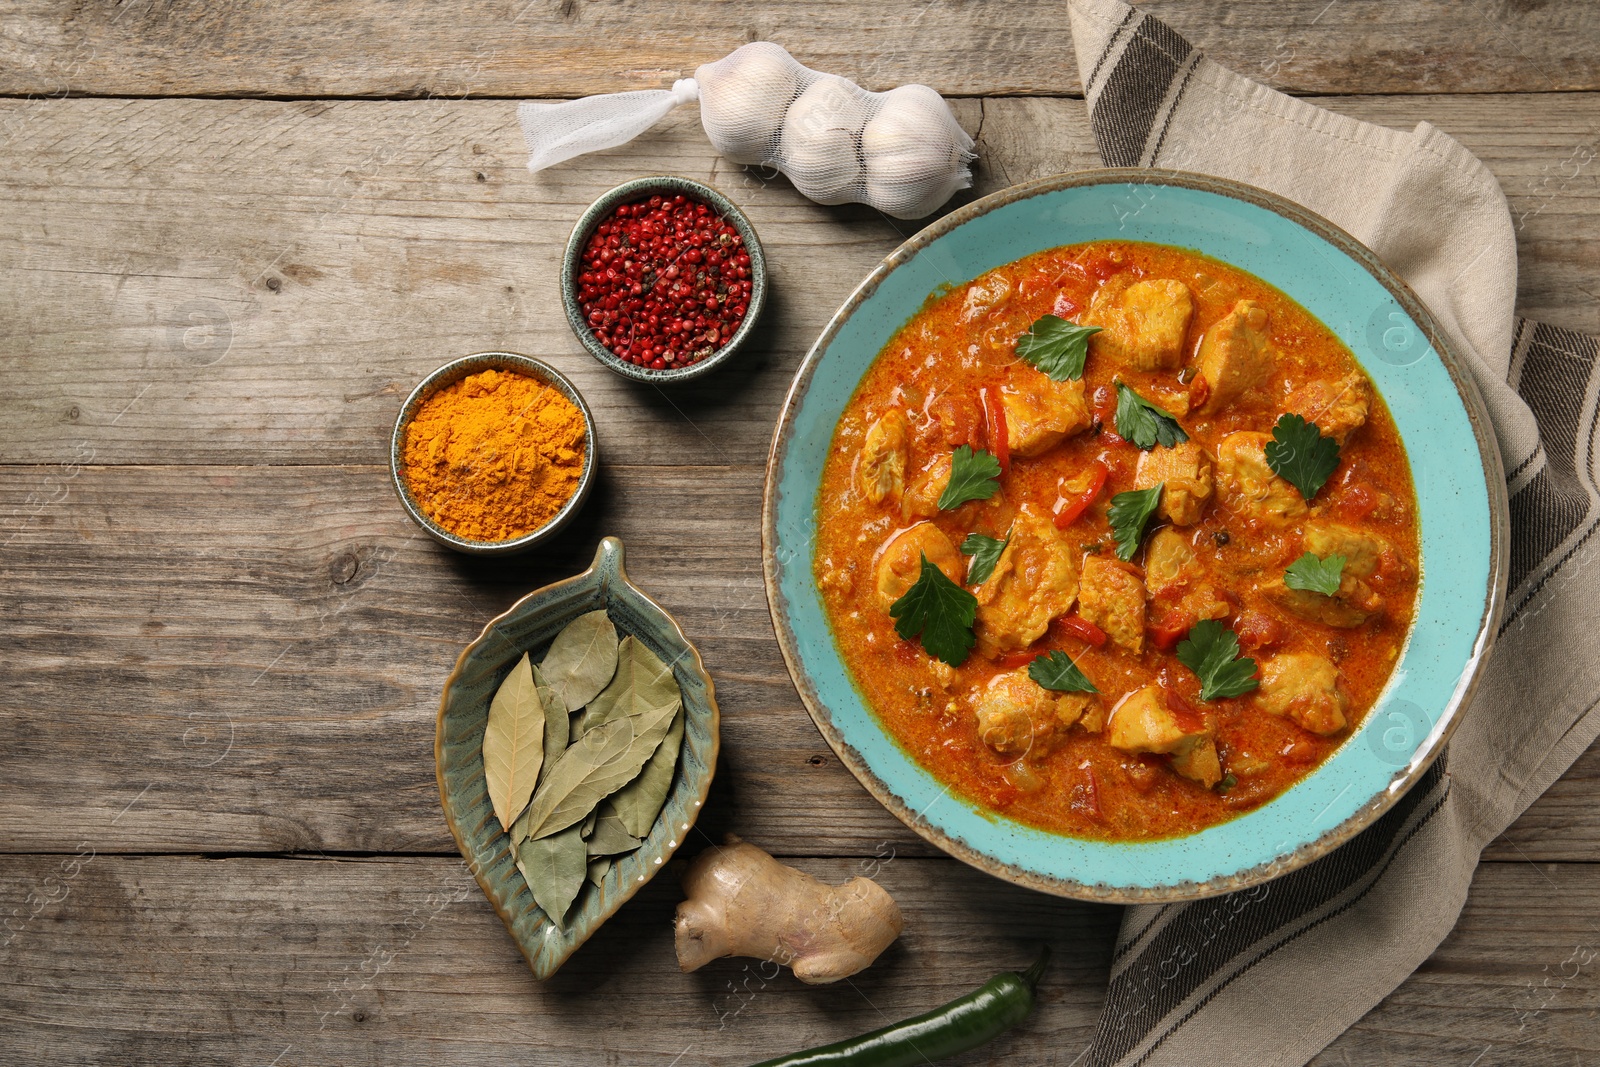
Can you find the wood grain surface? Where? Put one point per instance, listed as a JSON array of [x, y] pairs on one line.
[[263, 282], [220, 839], [400, 961], [525, 48]]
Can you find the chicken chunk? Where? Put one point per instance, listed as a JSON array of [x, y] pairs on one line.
[[1338, 406], [1041, 413], [1034, 582], [921, 498], [1234, 356], [881, 466], [1184, 473], [984, 297], [1169, 561], [1248, 485], [1353, 604], [1305, 688], [899, 562], [1198, 761], [1362, 551], [1018, 717], [1112, 598], [1142, 325], [1142, 721]]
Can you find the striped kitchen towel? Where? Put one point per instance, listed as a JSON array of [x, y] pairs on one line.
[[1270, 975]]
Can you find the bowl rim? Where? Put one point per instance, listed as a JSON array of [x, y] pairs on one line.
[[449, 374], [1405, 777], [610, 553], [602, 206]]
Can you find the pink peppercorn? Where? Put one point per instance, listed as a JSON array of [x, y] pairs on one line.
[[664, 281]]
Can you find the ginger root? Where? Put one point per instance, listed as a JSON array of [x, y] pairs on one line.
[[742, 902]]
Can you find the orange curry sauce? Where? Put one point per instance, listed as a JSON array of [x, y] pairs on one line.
[[937, 370]]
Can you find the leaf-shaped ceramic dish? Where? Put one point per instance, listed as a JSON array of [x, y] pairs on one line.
[[530, 626]]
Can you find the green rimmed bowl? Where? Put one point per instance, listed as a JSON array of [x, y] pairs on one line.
[[626, 193], [1456, 469], [529, 626], [453, 372]]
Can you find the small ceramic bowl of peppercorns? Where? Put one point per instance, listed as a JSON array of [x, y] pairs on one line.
[[663, 279]]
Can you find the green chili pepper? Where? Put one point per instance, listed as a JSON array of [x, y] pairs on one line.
[[965, 1023]]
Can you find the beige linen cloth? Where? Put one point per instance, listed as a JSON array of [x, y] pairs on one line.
[[1271, 975]]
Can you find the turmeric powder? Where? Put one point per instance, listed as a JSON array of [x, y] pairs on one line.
[[494, 456]]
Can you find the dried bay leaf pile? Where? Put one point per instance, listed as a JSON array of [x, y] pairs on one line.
[[579, 756]]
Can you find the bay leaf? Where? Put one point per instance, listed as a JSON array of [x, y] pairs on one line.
[[598, 764], [641, 682], [598, 868], [588, 823], [554, 868], [638, 803], [519, 828], [610, 837], [513, 743], [555, 721], [582, 659], [582, 723]]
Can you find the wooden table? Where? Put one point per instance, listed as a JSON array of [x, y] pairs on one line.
[[234, 235]]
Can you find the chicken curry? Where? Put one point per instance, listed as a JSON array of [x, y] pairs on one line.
[[1118, 540]]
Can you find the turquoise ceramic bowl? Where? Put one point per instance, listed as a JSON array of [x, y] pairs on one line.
[[1455, 463]]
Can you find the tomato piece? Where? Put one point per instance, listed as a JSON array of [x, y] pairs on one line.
[[1064, 307], [998, 435], [956, 418], [1258, 632], [1102, 267], [1357, 502], [1073, 507], [1189, 720], [1166, 633], [1083, 630]]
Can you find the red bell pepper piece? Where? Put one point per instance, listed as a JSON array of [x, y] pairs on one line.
[[1083, 630], [999, 435], [1074, 508]]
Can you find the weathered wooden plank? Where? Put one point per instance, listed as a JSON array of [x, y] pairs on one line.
[[568, 48], [256, 655], [250, 282], [249, 659], [396, 961]]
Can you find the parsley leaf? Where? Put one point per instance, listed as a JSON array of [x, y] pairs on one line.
[[985, 552], [1056, 347], [940, 612], [1129, 513], [973, 476], [1210, 651], [1314, 574], [1144, 423], [1055, 670], [1299, 454]]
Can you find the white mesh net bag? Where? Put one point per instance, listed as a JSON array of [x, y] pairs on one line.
[[901, 151]]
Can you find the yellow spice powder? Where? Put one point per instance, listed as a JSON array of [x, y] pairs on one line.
[[494, 456]]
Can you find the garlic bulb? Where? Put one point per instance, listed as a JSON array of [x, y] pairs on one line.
[[916, 153], [820, 133], [901, 152], [743, 99]]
